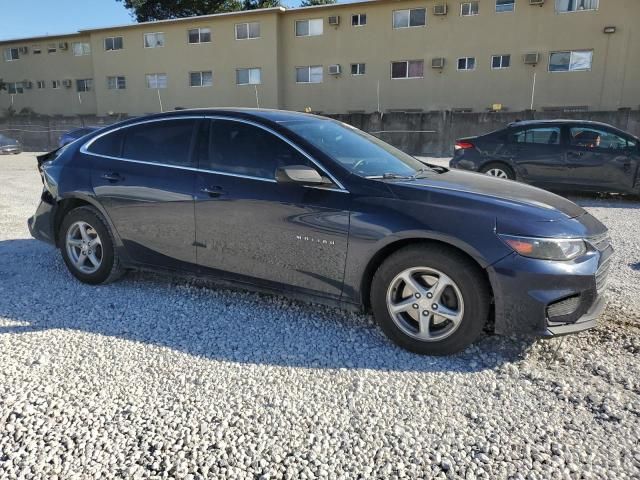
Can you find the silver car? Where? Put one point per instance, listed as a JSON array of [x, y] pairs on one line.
[[9, 145]]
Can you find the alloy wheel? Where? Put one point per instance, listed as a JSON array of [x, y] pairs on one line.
[[497, 172], [84, 247]]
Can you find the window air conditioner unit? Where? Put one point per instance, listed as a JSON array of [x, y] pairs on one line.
[[531, 58], [335, 70], [23, 50], [437, 62], [440, 9], [334, 20], [63, 46], [67, 83], [536, 2]]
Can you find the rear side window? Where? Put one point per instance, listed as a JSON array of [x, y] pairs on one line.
[[109, 144], [243, 149], [540, 135], [167, 142]]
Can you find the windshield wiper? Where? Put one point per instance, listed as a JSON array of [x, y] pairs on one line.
[[390, 176], [430, 167]]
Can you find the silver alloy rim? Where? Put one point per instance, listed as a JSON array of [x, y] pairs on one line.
[[497, 172], [425, 304], [84, 247]]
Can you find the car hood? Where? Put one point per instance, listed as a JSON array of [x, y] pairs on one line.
[[474, 184]]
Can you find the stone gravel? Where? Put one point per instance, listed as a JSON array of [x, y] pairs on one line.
[[160, 377]]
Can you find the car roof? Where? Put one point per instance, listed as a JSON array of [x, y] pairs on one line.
[[560, 121], [278, 116]]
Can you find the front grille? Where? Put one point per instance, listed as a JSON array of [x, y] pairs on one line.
[[563, 308], [603, 273]]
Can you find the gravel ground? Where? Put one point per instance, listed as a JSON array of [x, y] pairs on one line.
[[158, 377]]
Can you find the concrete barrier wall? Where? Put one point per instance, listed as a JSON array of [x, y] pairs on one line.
[[427, 133]]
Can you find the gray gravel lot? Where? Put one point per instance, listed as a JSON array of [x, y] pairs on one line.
[[159, 377]]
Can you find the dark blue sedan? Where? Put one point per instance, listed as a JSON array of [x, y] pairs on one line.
[[316, 209]]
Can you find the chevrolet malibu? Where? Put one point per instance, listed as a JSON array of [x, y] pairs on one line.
[[313, 208]]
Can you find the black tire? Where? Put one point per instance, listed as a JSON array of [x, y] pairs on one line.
[[470, 281], [110, 268], [511, 175]]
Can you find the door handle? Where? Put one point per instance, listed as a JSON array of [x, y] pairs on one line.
[[113, 177], [575, 154], [213, 192]]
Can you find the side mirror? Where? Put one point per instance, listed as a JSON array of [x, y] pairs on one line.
[[300, 174]]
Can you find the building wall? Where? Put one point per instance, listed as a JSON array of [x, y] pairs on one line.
[[613, 82]]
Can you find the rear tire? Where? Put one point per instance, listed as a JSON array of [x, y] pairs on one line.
[[439, 297], [499, 170], [87, 247]]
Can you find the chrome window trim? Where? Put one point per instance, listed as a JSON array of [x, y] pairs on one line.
[[85, 150]]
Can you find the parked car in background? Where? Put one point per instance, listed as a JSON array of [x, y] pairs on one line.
[[557, 155], [73, 135], [314, 208], [9, 145]]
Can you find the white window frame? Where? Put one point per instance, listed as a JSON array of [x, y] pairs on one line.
[[408, 10], [309, 67], [359, 17], [358, 73], [56, 84], [17, 87], [88, 85], [249, 70], [513, 2], [407, 62], [41, 84], [155, 35], [466, 59], [577, 11], [202, 82], [154, 78], [85, 49], [200, 31], [316, 21], [470, 4], [36, 49], [247, 25], [571, 52], [8, 54], [113, 39], [501, 56], [116, 82], [52, 48]]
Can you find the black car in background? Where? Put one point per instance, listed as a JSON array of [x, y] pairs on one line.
[[556, 154]]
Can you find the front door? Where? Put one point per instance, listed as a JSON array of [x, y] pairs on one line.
[[248, 225]]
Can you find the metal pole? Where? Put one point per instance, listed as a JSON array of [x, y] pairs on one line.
[[533, 89], [378, 94], [257, 98], [160, 101]]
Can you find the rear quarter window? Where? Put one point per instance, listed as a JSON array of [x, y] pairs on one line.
[[109, 145]]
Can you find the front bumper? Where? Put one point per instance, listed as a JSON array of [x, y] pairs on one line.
[[41, 223]]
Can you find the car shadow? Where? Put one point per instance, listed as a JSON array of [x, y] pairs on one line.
[[37, 293]]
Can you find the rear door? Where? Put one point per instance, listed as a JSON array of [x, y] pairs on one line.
[[144, 176], [539, 153]]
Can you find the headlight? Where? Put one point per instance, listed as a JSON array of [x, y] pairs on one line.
[[546, 248]]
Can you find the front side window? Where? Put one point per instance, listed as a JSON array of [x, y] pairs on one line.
[[500, 61], [242, 149], [201, 79], [84, 85], [156, 80], [199, 35], [117, 82], [81, 48], [503, 6], [167, 142], [359, 19], [245, 31], [11, 54], [154, 40], [468, 9], [358, 69], [467, 63], [311, 74], [309, 28], [248, 76], [570, 61], [416, 17], [113, 43], [15, 87], [596, 138], [540, 135], [564, 6], [407, 69]]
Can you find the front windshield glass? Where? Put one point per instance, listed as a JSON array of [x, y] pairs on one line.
[[358, 152]]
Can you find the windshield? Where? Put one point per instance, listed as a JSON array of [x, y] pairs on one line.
[[358, 152]]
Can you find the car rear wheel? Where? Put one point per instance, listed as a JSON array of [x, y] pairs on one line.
[[430, 299], [87, 247], [500, 170]]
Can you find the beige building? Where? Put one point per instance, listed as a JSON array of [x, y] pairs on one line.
[[384, 55]]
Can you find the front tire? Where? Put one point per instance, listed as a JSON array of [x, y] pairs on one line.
[[87, 247], [430, 299], [499, 170]]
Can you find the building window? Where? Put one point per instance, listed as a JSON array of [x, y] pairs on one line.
[[246, 31], [359, 19], [55, 84], [37, 49], [156, 80], [84, 85], [52, 48], [564, 6], [201, 79], [570, 61], [200, 35], [154, 40], [467, 63], [41, 84], [113, 43], [407, 69], [500, 61], [248, 76], [309, 28], [15, 87], [11, 54], [81, 48], [116, 82], [311, 74], [468, 9], [503, 6], [357, 69], [416, 17]]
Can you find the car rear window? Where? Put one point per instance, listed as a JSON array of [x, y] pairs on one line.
[[167, 142]]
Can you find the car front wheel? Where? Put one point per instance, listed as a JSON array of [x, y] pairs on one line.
[[430, 299]]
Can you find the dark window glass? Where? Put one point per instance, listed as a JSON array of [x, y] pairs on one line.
[[417, 17], [110, 144], [399, 70], [542, 135], [167, 142], [243, 149]]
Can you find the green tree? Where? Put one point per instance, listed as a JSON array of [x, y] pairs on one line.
[[149, 10], [311, 3]]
